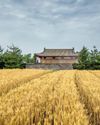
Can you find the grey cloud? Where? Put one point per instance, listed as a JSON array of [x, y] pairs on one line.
[[51, 23]]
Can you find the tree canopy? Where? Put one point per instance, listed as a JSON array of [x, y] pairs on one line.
[[13, 57], [88, 59]]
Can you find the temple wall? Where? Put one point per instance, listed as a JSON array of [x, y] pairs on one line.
[[54, 61]]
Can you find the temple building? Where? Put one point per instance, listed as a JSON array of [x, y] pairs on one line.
[[57, 56]]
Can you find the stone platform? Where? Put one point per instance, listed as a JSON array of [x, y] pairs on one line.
[[50, 66]]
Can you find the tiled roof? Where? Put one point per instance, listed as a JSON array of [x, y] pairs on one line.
[[57, 52]]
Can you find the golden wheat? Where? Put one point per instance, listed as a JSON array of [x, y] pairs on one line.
[[96, 73], [10, 79], [89, 86], [51, 99]]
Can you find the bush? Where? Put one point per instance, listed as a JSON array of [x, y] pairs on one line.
[[2, 65], [23, 65]]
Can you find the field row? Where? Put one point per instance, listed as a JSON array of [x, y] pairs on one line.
[[10, 79], [89, 87], [51, 98]]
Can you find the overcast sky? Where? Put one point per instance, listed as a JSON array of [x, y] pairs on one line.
[[35, 24]]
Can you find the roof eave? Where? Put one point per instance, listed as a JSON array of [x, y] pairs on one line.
[[56, 55]]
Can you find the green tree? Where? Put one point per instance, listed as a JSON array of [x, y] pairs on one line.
[[28, 58], [95, 58], [34, 58], [84, 58], [1, 53], [94, 54], [13, 57], [88, 60], [1, 58]]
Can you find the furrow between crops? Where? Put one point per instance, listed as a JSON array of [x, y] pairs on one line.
[[82, 96], [48, 100], [89, 90], [4, 89]]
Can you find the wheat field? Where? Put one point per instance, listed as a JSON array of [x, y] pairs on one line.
[[47, 97]]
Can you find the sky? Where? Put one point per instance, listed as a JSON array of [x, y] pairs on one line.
[[34, 24]]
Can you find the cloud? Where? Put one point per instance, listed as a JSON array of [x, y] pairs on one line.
[[33, 24]]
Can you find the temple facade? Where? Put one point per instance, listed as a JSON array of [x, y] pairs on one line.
[[57, 56]]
